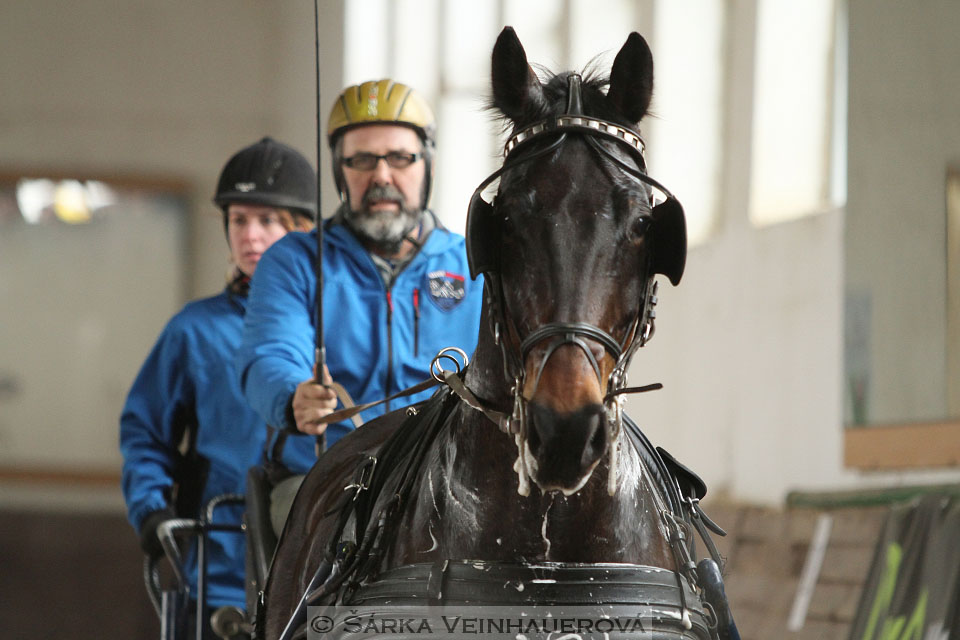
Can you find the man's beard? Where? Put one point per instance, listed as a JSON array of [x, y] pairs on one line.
[[386, 229]]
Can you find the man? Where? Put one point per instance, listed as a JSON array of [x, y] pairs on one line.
[[396, 282], [185, 390]]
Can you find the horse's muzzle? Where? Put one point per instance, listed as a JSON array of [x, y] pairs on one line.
[[565, 446]]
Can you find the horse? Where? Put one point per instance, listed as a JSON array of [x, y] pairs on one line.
[[524, 458]]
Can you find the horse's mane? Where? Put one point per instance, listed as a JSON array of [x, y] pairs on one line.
[[593, 93]]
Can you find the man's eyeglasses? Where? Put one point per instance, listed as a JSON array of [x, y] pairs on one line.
[[368, 161]]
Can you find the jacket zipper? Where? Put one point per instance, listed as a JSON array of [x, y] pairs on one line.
[[389, 348], [416, 322]]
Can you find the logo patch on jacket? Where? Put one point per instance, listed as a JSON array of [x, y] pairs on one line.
[[446, 289]]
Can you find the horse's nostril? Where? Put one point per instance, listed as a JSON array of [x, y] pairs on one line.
[[598, 440]]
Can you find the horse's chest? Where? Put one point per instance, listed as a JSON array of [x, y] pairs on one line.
[[458, 518]]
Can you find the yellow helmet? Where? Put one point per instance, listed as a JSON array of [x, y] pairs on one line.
[[381, 102]]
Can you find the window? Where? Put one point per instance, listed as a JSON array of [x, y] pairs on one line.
[[684, 145], [45, 201], [795, 101], [443, 49], [796, 166]]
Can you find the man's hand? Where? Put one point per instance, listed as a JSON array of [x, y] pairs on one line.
[[312, 402], [148, 531]]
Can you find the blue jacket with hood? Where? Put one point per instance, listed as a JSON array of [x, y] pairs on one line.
[[379, 340], [188, 379]]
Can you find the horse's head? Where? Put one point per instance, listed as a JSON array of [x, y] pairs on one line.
[[569, 250]]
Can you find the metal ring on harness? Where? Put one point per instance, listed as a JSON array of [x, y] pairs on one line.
[[364, 475], [437, 371]]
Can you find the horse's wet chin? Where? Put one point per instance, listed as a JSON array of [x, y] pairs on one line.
[[567, 488]]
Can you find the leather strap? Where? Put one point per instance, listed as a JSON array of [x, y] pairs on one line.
[[344, 397], [351, 410], [498, 418]]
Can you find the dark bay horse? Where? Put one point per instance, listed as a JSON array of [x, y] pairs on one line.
[[524, 458]]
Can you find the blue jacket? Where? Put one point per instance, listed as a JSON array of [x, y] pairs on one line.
[[378, 341], [189, 376]]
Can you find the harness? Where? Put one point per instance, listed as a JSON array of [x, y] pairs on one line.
[[350, 573], [682, 490]]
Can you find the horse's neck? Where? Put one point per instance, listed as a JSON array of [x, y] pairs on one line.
[[472, 496], [485, 376]]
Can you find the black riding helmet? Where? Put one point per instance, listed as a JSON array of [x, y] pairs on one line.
[[272, 174]]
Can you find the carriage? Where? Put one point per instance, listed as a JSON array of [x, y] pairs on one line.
[[521, 483]]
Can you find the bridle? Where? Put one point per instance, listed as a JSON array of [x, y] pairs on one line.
[[483, 239]]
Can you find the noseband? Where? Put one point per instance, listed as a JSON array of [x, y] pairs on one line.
[[483, 236], [569, 333]]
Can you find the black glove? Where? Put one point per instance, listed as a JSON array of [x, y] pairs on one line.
[[149, 541]]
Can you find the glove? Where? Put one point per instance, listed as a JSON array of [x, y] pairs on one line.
[[149, 541]]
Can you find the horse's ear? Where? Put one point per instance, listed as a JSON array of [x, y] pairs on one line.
[[669, 239], [631, 78], [517, 92]]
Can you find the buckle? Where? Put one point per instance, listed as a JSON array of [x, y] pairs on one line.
[[364, 476]]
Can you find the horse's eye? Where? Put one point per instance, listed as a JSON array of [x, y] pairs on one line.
[[639, 227], [507, 226]]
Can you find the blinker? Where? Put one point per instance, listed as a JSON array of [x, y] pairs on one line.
[[483, 236], [669, 239]]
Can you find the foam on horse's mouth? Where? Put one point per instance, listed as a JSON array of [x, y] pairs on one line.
[[520, 466], [569, 491], [526, 461]]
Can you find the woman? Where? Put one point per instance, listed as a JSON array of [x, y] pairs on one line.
[[186, 432]]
